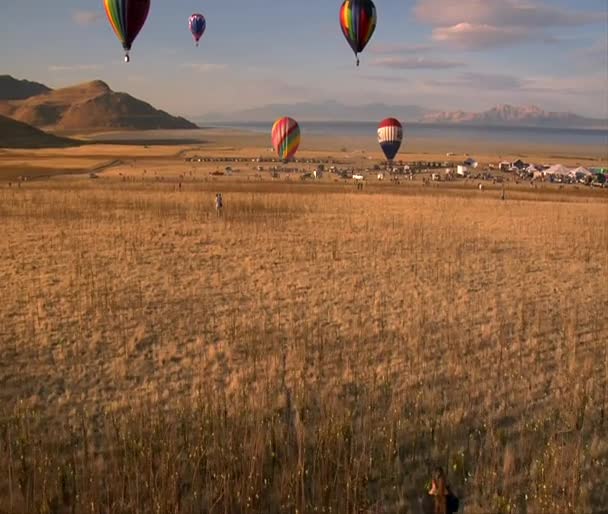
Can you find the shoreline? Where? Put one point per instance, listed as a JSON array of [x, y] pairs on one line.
[[580, 144], [166, 151]]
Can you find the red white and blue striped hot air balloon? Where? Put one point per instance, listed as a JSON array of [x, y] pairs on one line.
[[197, 24], [390, 136]]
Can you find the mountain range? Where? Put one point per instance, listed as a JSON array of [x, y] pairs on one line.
[[530, 115], [94, 106], [15, 134], [13, 89], [500, 115], [89, 106], [322, 111]]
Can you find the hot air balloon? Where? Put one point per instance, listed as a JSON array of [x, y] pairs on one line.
[[197, 24], [390, 135], [358, 21], [286, 137], [127, 18]]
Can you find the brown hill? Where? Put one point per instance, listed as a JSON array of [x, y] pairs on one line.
[[13, 89], [90, 106], [15, 134]]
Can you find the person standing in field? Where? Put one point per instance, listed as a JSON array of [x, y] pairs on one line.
[[219, 204], [444, 501]]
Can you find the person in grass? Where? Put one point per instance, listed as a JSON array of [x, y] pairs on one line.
[[439, 491], [445, 502], [219, 204]]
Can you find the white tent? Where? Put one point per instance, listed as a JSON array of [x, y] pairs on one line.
[[558, 170], [581, 172], [532, 169]]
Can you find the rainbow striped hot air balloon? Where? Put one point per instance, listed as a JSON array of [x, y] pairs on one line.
[[197, 24], [286, 137], [390, 135], [127, 18], [358, 21]]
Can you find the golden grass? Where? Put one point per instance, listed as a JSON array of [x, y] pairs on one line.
[[315, 350]]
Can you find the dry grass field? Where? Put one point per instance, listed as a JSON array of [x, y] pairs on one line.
[[313, 350]]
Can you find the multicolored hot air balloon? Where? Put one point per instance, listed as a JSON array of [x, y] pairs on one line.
[[358, 21], [390, 135], [286, 137], [127, 18], [197, 24]]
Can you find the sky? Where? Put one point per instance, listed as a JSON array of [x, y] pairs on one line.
[[439, 54]]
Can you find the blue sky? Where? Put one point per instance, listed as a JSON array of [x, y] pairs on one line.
[[442, 54]]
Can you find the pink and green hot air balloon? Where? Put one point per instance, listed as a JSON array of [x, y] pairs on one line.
[[286, 137]]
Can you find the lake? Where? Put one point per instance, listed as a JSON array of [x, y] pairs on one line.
[[509, 136]]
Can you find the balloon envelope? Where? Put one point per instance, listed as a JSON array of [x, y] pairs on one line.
[[390, 136], [197, 24], [286, 137], [127, 18], [358, 20]]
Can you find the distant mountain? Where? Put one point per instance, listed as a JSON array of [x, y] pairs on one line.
[[501, 115], [516, 116], [13, 89], [15, 134], [323, 111], [90, 106]]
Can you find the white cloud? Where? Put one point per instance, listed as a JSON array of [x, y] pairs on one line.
[[512, 84], [522, 13], [207, 67], [471, 37], [54, 68], [86, 18], [481, 24], [480, 81], [595, 55], [571, 85], [415, 63], [398, 48]]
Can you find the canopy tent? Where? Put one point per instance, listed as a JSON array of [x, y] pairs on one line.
[[537, 175], [581, 172], [519, 164], [557, 170]]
